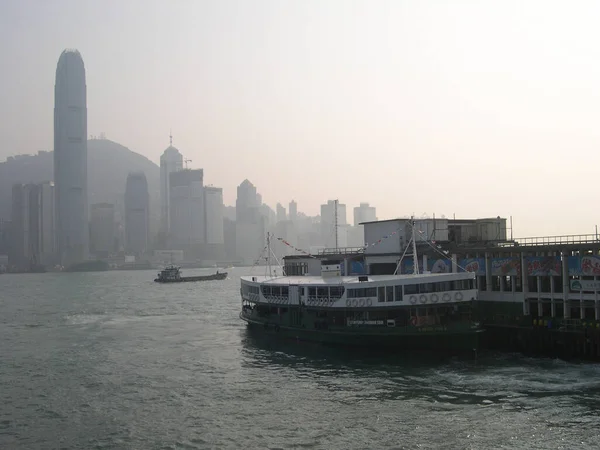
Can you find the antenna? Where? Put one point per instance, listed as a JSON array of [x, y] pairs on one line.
[[335, 221], [170, 138], [187, 161], [269, 254], [415, 256]]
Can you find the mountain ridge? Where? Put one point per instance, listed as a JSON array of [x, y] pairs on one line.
[[108, 166]]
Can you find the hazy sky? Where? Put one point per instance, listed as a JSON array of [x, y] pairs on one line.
[[477, 108]]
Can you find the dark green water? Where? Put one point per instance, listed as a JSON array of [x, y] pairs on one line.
[[113, 360]]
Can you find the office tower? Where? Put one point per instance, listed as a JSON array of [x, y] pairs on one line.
[[186, 208], [333, 229], [293, 211], [137, 214], [251, 223], [32, 228], [102, 229], [70, 158], [281, 213], [213, 207], [170, 161], [364, 213]]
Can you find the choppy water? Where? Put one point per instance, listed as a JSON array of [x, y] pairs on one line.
[[112, 360]]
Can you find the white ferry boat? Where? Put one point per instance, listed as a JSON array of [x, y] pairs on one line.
[[405, 311]]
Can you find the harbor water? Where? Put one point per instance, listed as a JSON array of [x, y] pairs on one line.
[[114, 360]]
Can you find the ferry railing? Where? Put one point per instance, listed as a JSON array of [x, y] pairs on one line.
[[573, 239], [341, 251]]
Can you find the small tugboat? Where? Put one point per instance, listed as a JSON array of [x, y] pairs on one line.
[[172, 274]]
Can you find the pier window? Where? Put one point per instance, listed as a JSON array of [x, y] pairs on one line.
[[389, 293]]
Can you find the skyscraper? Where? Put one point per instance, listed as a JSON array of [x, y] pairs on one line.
[[293, 211], [281, 213], [364, 213], [170, 161], [137, 215], [102, 229], [186, 207], [213, 214], [332, 235], [70, 158]]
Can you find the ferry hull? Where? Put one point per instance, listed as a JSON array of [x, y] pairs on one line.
[[467, 341]]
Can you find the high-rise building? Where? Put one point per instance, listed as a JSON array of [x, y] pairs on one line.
[[332, 228], [19, 255], [170, 161], [186, 207], [70, 158], [364, 213], [5, 227], [293, 209], [137, 214], [32, 228], [42, 213], [247, 202], [213, 207], [102, 229], [281, 213], [251, 223]]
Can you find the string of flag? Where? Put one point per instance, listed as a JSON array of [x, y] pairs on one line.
[[381, 239], [295, 248]]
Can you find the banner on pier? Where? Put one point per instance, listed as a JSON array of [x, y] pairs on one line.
[[510, 266], [583, 265], [476, 265], [543, 266], [407, 265], [440, 265]]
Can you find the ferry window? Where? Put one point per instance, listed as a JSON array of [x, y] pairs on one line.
[[381, 294], [426, 288], [398, 290], [445, 286], [322, 293], [301, 291], [284, 291], [411, 289], [389, 293], [276, 290], [336, 292], [312, 291], [370, 292]]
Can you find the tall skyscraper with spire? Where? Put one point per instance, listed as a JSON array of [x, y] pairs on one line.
[[70, 158], [170, 161]]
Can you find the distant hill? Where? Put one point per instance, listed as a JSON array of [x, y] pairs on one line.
[[108, 166]]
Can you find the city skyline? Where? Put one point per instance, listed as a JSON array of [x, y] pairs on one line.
[[457, 93]]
